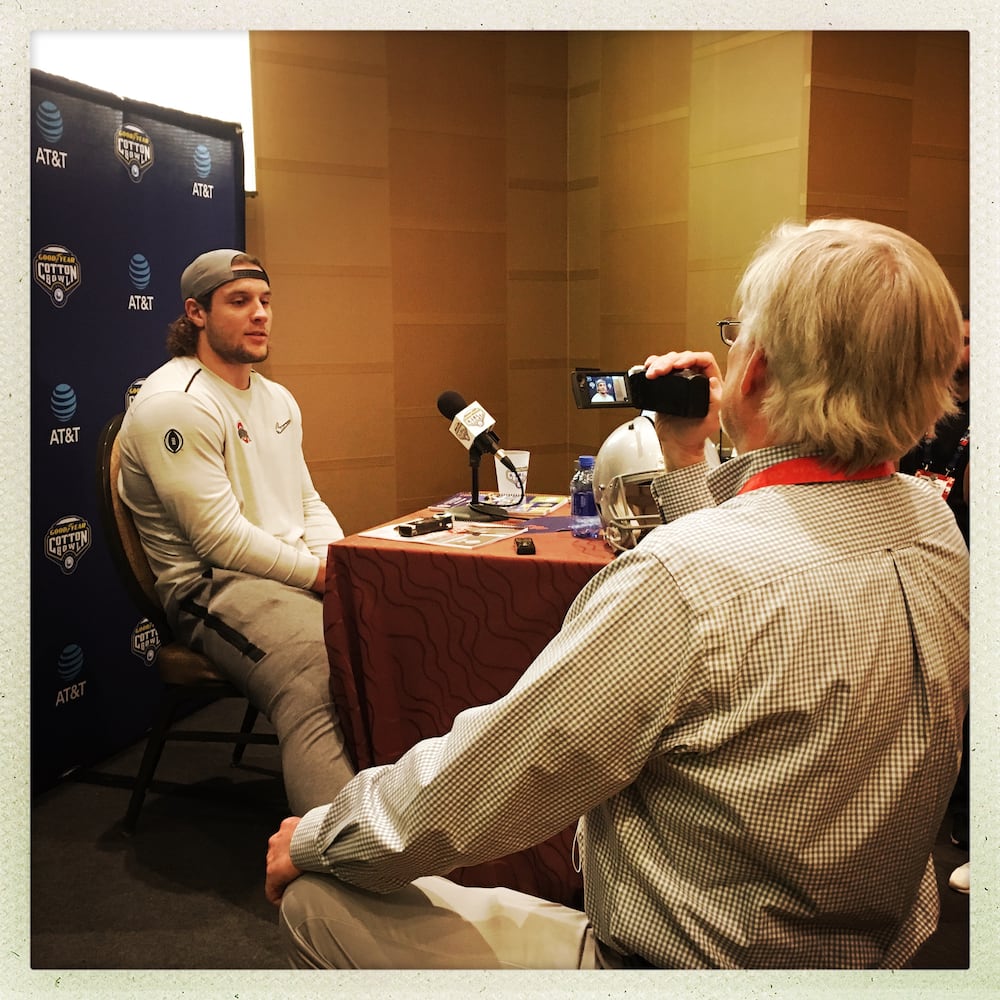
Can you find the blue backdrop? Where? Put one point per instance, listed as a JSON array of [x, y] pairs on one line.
[[123, 196]]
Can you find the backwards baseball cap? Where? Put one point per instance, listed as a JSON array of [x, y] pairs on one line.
[[206, 273]]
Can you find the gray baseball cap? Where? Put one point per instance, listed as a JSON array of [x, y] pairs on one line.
[[206, 273]]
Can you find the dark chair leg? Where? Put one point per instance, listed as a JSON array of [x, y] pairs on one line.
[[249, 720], [150, 758]]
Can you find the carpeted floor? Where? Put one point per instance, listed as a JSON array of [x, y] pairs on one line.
[[186, 891]]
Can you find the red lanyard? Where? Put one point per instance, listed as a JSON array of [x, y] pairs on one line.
[[811, 470]]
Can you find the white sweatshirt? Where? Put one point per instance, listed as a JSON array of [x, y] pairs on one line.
[[215, 477]]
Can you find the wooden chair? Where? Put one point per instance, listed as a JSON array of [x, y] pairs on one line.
[[187, 676]]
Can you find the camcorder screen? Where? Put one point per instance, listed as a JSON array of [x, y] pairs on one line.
[[596, 388]]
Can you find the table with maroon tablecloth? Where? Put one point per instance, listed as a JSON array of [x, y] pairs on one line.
[[416, 633]]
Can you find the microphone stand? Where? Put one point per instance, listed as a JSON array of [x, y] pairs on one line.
[[474, 510]]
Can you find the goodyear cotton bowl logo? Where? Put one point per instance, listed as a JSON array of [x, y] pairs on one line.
[[67, 540], [146, 641], [135, 149], [57, 270]]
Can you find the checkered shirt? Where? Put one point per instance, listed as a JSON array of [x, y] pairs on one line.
[[756, 712]]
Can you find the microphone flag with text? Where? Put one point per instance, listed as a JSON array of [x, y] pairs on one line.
[[473, 426]]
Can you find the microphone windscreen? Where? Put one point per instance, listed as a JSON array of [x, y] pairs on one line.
[[449, 403]]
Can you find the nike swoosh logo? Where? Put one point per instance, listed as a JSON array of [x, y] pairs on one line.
[[280, 427]]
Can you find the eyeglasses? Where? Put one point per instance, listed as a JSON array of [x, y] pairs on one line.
[[729, 330]]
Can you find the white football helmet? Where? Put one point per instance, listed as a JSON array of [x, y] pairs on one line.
[[624, 467]]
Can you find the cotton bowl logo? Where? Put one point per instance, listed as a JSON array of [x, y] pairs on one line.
[[63, 403], [146, 641], [139, 272], [202, 160], [49, 120], [135, 149], [57, 270], [67, 540]]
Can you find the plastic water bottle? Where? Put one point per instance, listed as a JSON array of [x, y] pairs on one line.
[[585, 520]]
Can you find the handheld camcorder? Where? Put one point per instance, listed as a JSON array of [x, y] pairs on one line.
[[681, 393]]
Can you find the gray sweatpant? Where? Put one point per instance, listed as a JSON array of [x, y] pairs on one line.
[[268, 639]]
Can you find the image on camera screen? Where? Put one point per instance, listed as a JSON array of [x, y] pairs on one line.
[[600, 389]]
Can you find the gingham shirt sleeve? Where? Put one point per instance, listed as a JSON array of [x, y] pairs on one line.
[[576, 729]]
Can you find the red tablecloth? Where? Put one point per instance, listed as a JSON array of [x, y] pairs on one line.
[[416, 633]]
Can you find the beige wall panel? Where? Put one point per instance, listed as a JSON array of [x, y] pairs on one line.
[[447, 81], [644, 176], [469, 360], [536, 319], [316, 115], [735, 203], [645, 75], [448, 274], [583, 58], [537, 59], [939, 204], [537, 407], [536, 137], [748, 92], [958, 274], [351, 415], [886, 56], [583, 236], [341, 220], [584, 322], [941, 89], [643, 273], [583, 139], [440, 178], [325, 318], [536, 230], [627, 344], [859, 208], [254, 239], [359, 48], [859, 143], [360, 496]]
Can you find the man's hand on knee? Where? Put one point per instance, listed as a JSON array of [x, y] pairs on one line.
[[280, 870]]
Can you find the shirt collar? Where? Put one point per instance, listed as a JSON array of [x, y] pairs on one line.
[[725, 481]]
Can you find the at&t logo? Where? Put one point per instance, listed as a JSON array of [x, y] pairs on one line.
[[49, 122], [140, 274], [57, 270], [62, 402], [135, 150], [67, 540], [68, 670], [203, 168]]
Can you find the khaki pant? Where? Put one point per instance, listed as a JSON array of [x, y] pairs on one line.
[[268, 640], [432, 923]]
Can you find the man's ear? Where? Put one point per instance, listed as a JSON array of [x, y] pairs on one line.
[[753, 379], [194, 312]]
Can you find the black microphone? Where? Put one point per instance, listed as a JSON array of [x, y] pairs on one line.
[[472, 425]]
